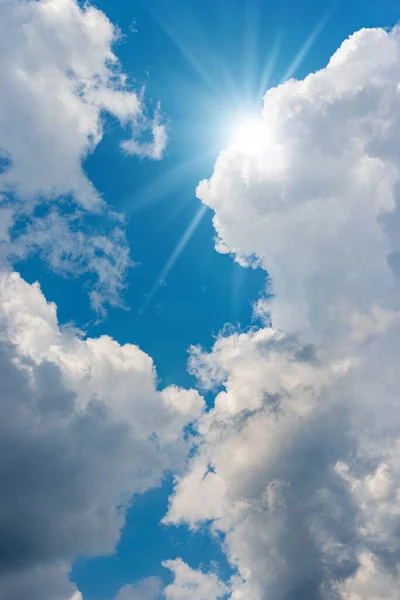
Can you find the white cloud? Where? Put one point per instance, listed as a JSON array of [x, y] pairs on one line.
[[59, 74], [327, 172], [370, 583], [72, 249], [154, 149], [60, 79], [190, 583], [297, 461], [147, 589], [83, 428], [264, 471]]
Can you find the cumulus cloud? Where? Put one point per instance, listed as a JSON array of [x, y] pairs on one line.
[[263, 473], [187, 582], [192, 583], [59, 75], [370, 583], [61, 79], [83, 428], [147, 589], [297, 462], [326, 170]]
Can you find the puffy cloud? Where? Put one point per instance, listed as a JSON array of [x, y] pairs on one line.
[[264, 470], [191, 583], [187, 582], [60, 80], [147, 589], [297, 461], [326, 169], [59, 75], [83, 428], [370, 583]]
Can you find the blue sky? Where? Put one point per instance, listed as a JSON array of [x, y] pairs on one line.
[[208, 64]]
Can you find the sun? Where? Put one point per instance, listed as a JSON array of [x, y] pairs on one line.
[[249, 136]]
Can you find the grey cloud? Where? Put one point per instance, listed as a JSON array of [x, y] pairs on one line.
[[73, 452]]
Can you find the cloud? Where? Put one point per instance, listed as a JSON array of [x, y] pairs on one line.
[[83, 428], [370, 583], [147, 589], [327, 170], [72, 249], [192, 583], [155, 148], [59, 75], [297, 461], [187, 582], [61, 80], [264, 470]]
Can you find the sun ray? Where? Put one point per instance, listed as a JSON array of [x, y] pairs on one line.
[[251, 49], [269, 66], [164, 185], [185, 52], [179, 248], [306, 47]]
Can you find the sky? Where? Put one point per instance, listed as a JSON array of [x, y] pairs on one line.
[[199, 300]]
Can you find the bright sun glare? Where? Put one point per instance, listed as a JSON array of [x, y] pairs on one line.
[[249, 136]]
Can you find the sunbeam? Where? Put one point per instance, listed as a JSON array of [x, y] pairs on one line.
[[251, 49], [249, 136], [269, 67], [161, 186], [306, 47], [195, 222], [185, 52]]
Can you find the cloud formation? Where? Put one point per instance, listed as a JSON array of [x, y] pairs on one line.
[[194, 583], [61, 80], [83, 428], [60, 75], [297, 462], [326, 170], [147, 589], [72, 249]]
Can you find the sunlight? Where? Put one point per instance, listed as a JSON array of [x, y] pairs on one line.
[[179, 248], [249, 136], [305, 49]]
